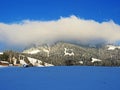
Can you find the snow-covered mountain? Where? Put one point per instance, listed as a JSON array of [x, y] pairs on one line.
[[63, 53]]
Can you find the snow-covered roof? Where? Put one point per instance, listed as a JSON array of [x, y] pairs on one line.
[[4, 62]]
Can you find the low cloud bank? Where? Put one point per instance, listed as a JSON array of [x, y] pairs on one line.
[[64, 29]]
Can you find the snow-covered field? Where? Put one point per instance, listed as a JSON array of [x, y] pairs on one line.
[[2, 66], [60, 78]]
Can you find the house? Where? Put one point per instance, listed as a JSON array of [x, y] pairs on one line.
[[4, 63]]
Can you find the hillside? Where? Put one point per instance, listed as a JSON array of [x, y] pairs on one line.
[[63, 53]]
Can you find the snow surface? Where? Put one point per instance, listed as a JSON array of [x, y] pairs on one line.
[[112, 47], [60, 78], [81, 62], [32, 51], [22, 62], [1, 53], [34, 61], [47, 64], [67, 53], [95, 60], [2, 66], [37, 62], [4, 62]]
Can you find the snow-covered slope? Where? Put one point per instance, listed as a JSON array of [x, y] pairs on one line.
[[35, 50], [47, 64], [35, 62], [23, 63], [60, 52], [39, 63], [112, 47], [1, 53], [1, 66], [95, 60], [32, 51]]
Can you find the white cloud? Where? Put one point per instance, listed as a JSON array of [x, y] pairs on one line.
[[65, 29]]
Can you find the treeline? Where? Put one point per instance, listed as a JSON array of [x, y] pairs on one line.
[[111, 58], [7, 55], [88, 63]]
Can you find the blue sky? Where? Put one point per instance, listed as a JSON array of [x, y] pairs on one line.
[[14, 11], [100, 10]]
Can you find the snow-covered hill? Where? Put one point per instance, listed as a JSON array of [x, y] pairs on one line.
[[63, 53]]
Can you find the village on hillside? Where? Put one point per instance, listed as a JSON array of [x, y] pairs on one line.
[[10, 58]]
